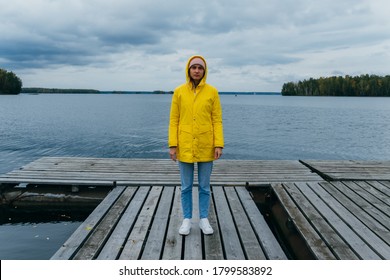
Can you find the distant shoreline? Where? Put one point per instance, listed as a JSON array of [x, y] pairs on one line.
[[93, 91]]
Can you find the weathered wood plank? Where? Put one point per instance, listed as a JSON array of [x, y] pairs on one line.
[[351, 169], [359, 212], [230, 239], [373, 211], [114, 245], [173, 240], [193, 241], [153, 163], [369, 197], [351, 237], [377, 244], [45, 181], [332, 238], [286, 195], [382, 186], [252, 248], [103, 230], [155, 242], [212, 243], [71, 246], [135, 241], [385, 199]]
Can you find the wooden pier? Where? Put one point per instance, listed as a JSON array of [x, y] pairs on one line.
[[142, 223], [139, 172], [310, 209]]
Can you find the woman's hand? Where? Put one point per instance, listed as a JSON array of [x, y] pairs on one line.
[[217, 153], [172, 153]]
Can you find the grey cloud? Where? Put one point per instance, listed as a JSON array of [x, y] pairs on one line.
[[74, 37], [44, 34]]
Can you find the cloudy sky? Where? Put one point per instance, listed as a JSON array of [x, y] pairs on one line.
[[250, 45]]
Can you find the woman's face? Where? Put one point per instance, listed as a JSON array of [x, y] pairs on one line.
[[196, 72]]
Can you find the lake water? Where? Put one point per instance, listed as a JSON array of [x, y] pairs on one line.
[[135, 126]]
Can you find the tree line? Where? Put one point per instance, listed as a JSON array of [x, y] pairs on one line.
[[9, 83], [57, 90], [363, 85]]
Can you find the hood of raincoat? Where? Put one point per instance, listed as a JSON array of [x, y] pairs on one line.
[[188, 78]]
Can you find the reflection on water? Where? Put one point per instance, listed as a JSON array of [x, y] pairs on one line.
[[36, 220], [34, 240], [10, 216]]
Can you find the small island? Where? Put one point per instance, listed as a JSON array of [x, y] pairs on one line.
[[9, 82], [363, 85]]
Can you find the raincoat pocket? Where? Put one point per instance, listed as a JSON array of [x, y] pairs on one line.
[[206, 138], [185, 136]]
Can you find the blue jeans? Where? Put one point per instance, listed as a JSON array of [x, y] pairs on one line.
[[187, 180]]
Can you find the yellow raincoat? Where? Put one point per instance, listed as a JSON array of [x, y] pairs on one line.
[[195, 125]]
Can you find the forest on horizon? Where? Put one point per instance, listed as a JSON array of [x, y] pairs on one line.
[[363, 85]]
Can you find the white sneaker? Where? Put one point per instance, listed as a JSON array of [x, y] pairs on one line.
[[185, 227], [205, 226]]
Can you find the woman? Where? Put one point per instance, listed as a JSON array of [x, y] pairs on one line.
[[195, 135]]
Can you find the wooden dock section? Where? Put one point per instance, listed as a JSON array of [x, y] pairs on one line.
[[310, 209], [347, 170], [336, 220], [138, 172], [142, 223]]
